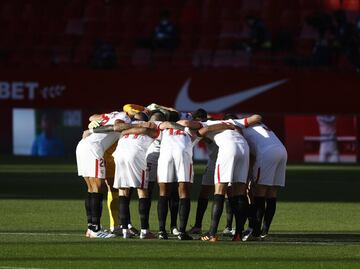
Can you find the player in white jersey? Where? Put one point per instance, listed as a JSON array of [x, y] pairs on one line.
[[231, 167], [91, 165], [130, 172], [268, 172], [175, 166]]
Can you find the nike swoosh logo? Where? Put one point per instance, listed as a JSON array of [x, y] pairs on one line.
[[184, 103]]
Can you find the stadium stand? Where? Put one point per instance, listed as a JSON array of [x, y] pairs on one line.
[[60, 33]]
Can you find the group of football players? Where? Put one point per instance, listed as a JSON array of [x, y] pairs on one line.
[[141, 146]]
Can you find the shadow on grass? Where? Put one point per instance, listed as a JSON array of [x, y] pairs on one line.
[[188, 260], [314, 237], [305, 185], [77, 237]]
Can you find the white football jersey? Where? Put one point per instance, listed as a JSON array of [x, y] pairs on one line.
[[222, 138], [259, 136], [105, 140], [136, 141], [175, 138]]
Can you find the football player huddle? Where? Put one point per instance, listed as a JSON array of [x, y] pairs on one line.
[[141, 146]]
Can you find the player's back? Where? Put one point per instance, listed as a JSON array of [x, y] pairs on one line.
[[105, 140], [175, 139], [259, 136], [224, 137], [137, 141]]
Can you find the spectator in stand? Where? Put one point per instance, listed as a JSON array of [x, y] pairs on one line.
[[321, 22], [103, 55], [165, 35], [322, 53], [259, 37], [259, 34], [347, 38], [47, 143]]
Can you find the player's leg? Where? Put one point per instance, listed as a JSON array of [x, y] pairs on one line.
[[228, 231], [124, 211], [184, 174], [251, 211], [223, 173], [259, 205], [96, 202], [162, 209], [144, 210], [112, 193], [264, 172], [132, 229], [152, 178], [96, 208], [184, 209], [271, 193], [88, 208], [112, 203], [165, 176], [270, 209], [207, 187], [238, 200], [174, 208], [216, 212], [239, 205], [202, 204]]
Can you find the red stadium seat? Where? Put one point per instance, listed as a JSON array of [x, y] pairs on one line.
[[94, 12], [182, 59], [351, 5], [222, 58], [202, 58], [141, 58]]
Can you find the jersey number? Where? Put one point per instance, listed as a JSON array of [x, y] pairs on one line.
[[176, 132]]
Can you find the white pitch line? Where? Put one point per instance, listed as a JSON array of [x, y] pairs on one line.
[[44, 234]]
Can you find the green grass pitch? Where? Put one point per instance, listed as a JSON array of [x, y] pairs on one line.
[[42, 224]]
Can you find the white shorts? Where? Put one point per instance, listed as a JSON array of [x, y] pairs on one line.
[[232, 163], [130, 169], [270, 166], [208, 176], [90, 161], [175, 166]]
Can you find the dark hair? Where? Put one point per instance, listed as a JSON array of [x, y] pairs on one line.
[[173, 116], [199, 114], [157, 115], [141, 116]]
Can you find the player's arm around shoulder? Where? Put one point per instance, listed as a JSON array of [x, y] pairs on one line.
[[194, 125], [120, 126], [95, 117], [222, 126], [151, 132], [170, 124], [252, 120]]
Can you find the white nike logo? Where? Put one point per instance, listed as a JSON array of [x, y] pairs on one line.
[[184, 103]]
